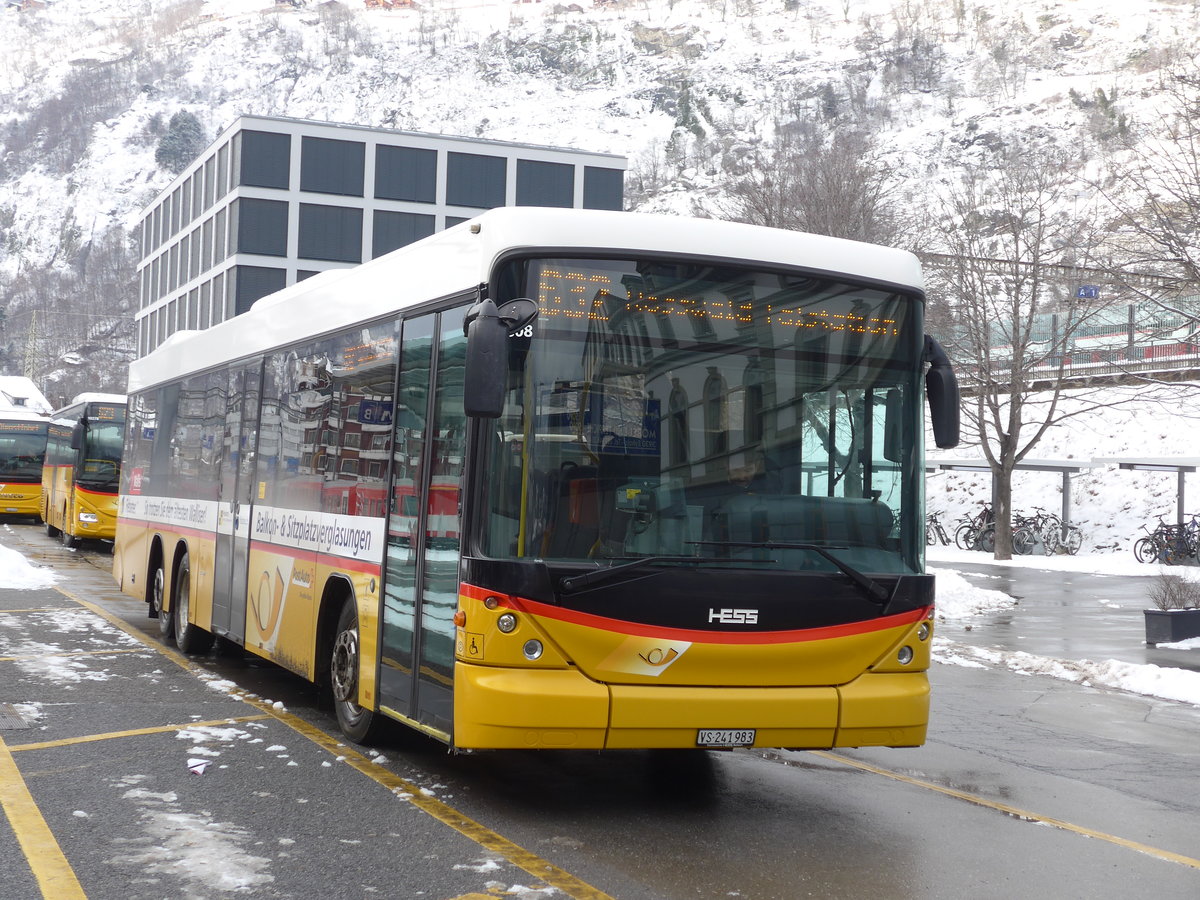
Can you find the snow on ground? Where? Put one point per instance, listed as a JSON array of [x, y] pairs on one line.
[[17, 572], [959, 601]]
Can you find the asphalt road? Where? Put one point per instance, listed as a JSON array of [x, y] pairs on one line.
[[1026, 787]]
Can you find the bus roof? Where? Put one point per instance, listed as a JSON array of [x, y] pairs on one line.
[[18, 415], [91, 397], [461, 258], [69, 415]]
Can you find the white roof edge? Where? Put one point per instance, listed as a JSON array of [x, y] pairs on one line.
[[462, 257], [93, 397], [23, 415]]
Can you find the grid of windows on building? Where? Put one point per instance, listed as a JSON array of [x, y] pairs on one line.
[[274, 201]]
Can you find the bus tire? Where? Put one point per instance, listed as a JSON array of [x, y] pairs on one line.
[[189, 637], [51, 531], [158, 592], [357, 724], [67, 539]]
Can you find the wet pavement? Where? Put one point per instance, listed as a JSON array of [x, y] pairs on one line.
[[1025, 786], [1065, 615]]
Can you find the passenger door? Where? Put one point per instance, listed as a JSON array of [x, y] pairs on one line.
[[235, 501], [421, 578]]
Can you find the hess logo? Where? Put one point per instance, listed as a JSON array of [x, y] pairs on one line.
[[733, 616]]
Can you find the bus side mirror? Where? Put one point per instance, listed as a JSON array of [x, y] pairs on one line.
[[77, 435], [487, 359], [941, 389], [489, 331]]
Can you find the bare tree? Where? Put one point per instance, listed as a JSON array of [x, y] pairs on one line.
[[1012, 241], [1155, 193], [836, 183]]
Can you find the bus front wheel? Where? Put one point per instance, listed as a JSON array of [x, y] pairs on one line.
[[357, 724]]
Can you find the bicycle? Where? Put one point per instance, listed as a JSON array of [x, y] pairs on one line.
[[934, 532], [1042, 527], [977, 532], [1072, 539], [1147, 549], [1168, 544]]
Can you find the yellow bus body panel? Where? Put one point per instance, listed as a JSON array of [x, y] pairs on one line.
[[503, 700], [64, 500], [283, 600], [889, 709], [609, 652], [131, 549], [20, 499]]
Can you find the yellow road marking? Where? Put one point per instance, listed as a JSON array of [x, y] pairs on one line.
[[69, 653], [49, 866], [444, 813], [1014, 811], [133, 732]]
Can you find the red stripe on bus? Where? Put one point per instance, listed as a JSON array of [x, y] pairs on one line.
[[177, 530], [694, 635], [84, 490]]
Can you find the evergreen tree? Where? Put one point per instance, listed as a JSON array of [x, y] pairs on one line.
[[182, 142]]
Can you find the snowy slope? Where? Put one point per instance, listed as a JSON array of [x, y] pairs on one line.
[[938, 80]]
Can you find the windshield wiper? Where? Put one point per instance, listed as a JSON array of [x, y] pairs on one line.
[[875, 591], [574, 583]]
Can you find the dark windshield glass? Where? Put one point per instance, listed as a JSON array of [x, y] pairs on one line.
[[665, 409], [22, 449], [102, 454]]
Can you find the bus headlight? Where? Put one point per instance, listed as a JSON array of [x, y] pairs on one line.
[[89, 518], [923, 632], [507, 623], [905, 656], [532, 650]]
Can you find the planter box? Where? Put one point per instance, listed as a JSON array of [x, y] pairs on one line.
[[1166, 626]]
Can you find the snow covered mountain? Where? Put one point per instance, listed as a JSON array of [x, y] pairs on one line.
[[688, 90]]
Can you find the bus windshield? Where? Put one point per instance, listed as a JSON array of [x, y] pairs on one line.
[[675, 409], [101, 466], [22, 449]]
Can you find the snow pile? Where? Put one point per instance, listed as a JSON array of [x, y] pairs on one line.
[[958, 599], [1150, 680], [16, 572]]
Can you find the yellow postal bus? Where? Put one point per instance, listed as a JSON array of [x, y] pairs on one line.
[[560, 479], [82, 471], [22, 449]]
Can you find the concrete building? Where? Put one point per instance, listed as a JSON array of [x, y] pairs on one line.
[[275, 200]]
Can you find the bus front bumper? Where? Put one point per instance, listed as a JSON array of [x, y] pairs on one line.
[[499, 708]]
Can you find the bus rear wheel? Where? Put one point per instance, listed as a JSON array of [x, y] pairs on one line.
[[51, 531], [357, 723], [189, 637]]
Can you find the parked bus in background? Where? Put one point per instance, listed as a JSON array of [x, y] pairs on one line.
[[22, 449], [24, 412], [82, 470], [560, 479]]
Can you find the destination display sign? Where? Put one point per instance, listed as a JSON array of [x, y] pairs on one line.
[[597, 294]]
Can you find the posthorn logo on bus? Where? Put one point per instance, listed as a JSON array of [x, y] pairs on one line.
[[733, 616]]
